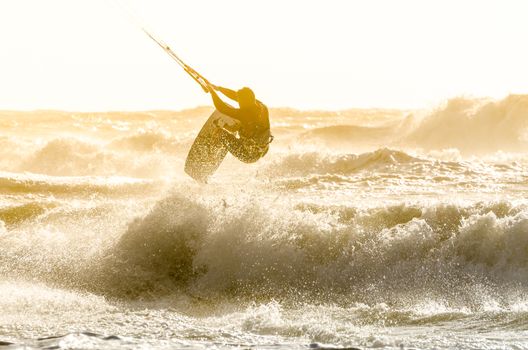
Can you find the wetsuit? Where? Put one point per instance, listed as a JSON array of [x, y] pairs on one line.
[[254, 133]]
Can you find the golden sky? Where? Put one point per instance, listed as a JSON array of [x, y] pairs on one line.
[[331, 54]]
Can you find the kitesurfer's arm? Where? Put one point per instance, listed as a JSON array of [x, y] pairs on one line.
[[228, 93], [221, 106]]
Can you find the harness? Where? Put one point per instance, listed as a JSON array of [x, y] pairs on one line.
[[261, 145], [251, 141]]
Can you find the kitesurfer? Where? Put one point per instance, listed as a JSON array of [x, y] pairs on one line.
[[253, 125]]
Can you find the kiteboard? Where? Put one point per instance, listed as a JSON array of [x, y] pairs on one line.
[[208, 151]]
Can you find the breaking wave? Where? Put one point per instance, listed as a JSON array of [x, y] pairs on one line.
[[145, 155], [349, 135], [263, 250], [16, 184], [377, 254], [472, 126], [151, 141], [355, 218], [475, 126], [300, 164], [261, 242]]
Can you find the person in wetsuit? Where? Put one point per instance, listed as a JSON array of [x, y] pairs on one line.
[[254, 131]]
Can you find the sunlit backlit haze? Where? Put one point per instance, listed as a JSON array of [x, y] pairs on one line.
[[389, 212], [87, 55]]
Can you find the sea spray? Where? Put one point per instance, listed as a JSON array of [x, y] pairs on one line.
[[358, 229], [254, 250]]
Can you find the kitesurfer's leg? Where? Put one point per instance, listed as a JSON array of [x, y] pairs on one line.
[[244, 151]]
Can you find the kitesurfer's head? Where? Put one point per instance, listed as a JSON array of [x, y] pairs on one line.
[[246, 97]]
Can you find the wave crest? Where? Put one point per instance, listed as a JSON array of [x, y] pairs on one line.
[[150, 141], [319, 163], [370, 255], [475, 126], [72, 157]]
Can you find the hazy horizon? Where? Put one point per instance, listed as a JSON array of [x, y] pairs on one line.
[[440, 104]]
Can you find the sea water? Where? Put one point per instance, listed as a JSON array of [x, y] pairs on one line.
[[363, 229]]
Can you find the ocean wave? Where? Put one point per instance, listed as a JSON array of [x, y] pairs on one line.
[[64, 157], [299, 164], [151, 141], [65, 341], [339, 135], [260, 248], [73, 157], [15, 214], [33, 184], [475, 126], [392, 254]]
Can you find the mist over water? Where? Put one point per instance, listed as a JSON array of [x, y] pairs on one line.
[[361, 228]]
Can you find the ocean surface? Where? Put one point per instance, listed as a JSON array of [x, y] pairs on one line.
[[365, 228]]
